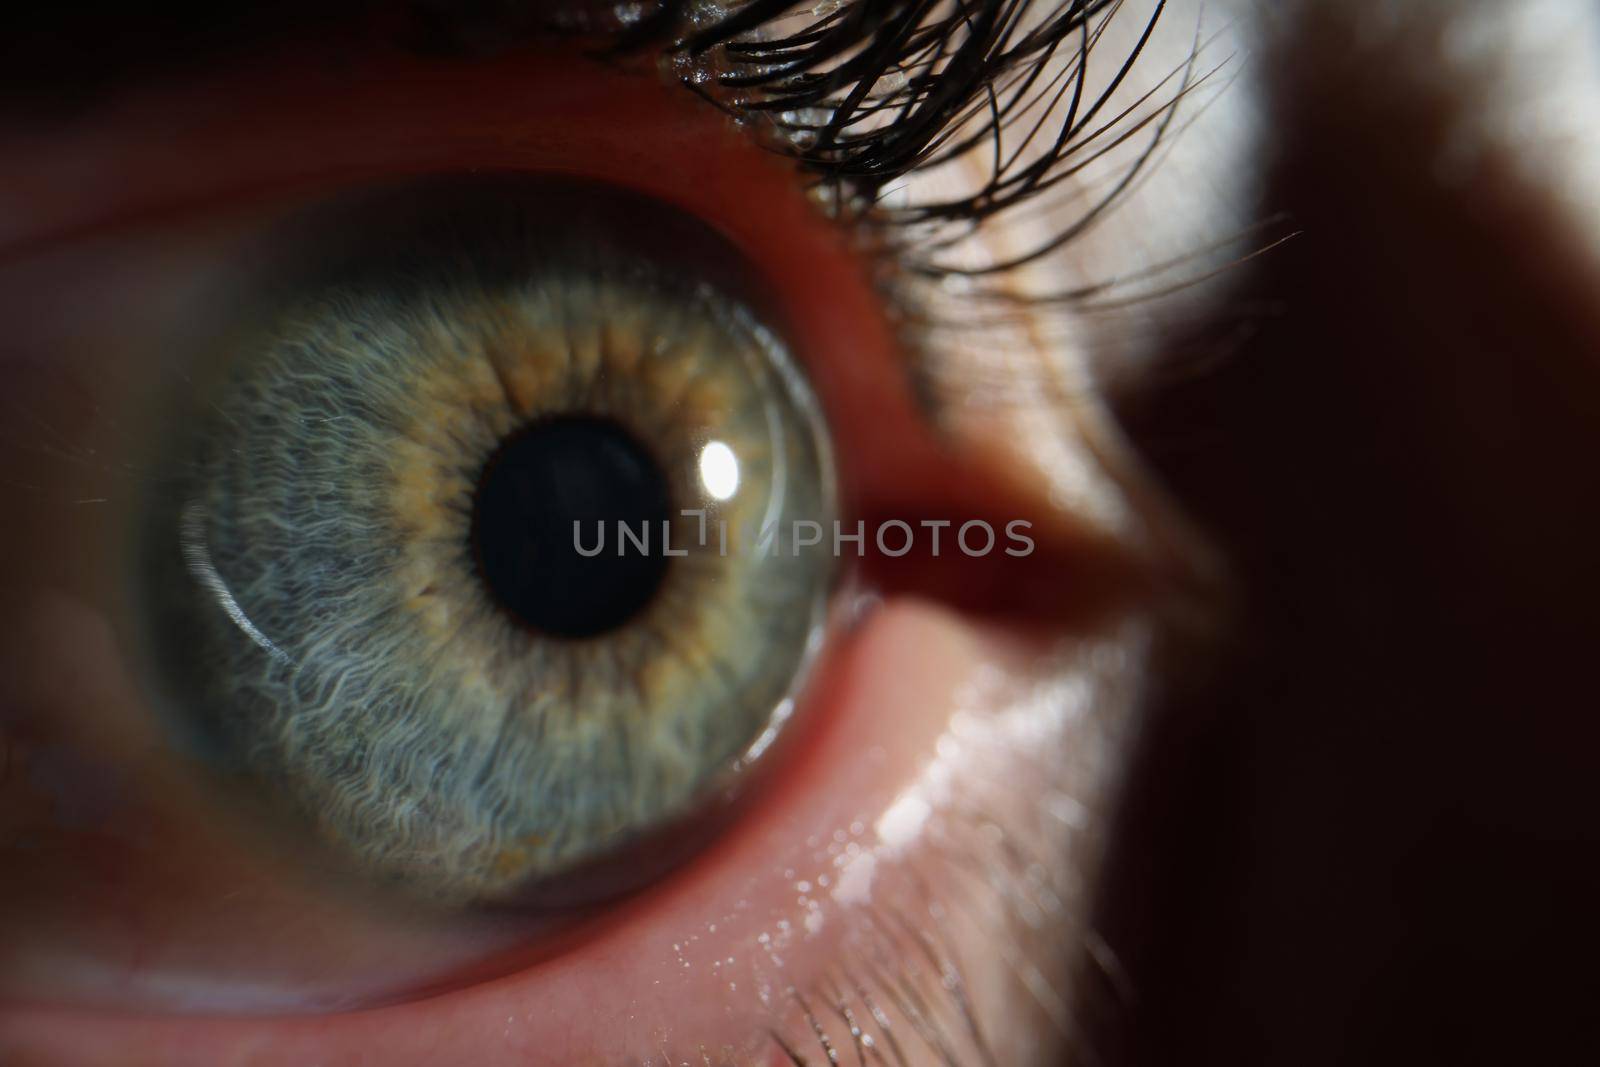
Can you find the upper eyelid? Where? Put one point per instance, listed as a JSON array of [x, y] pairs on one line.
[[944, 362], [762, 98], [946, 367], [1014, 58], [936, 370]]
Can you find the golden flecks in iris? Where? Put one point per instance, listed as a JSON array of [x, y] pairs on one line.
[[511, 861], [504, 358], [694, 393], [624, 345], [526, 349]]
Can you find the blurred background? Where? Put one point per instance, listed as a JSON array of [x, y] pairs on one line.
[[1371, 835]]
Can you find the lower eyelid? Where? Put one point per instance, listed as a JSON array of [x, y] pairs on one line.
[[937, 708]]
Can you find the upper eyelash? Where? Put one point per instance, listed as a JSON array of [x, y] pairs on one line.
[[862, 94], [865, 94], [931, 65]]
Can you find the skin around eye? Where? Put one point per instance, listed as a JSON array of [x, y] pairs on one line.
[[938, 739]]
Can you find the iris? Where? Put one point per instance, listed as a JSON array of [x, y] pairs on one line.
[[362, 573]]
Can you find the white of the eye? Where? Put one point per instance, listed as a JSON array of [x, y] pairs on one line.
[[719, 470]]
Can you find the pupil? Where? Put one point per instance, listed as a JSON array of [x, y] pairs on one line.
[[553, 473]]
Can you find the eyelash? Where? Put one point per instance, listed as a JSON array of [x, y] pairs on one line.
[[866, 95], [872, 92], [870, 97]]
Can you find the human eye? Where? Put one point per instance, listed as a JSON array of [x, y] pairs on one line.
[[311, 753]]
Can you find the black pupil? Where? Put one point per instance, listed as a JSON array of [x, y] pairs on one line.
[[557, 472]]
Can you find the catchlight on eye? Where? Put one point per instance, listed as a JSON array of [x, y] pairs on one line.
[[469, 606], [719, 470]]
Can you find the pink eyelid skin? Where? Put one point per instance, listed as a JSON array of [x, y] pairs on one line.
[[917, 702]]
